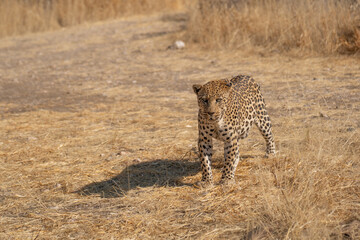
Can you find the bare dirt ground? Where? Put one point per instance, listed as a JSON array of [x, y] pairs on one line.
[[99, 132]]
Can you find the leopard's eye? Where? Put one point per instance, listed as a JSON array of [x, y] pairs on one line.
[[218, 100], [204, 100]]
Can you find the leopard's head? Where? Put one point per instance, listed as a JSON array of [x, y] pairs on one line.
[[212, 98]]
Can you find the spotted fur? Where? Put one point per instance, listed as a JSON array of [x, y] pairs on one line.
[[227, 110]]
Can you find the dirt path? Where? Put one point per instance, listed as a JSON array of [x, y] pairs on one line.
[[98, 124]]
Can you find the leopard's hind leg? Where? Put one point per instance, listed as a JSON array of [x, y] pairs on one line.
[[262, 121]]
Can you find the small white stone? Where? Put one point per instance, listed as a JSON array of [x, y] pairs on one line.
[[179, 44]]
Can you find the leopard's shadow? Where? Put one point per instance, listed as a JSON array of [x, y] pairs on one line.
[[163, 172]]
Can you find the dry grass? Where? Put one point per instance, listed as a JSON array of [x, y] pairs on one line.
[[325, 26], [27, 16], [99, 130]]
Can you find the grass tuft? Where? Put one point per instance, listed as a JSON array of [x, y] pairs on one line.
[[325, 27], [21, 16]]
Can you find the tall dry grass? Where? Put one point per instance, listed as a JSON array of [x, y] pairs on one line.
[[26, 16], [324, 26], [311, 194]]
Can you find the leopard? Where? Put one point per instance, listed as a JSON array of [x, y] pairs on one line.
[[227, 110]]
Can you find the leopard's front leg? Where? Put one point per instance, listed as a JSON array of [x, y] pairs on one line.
[[205, 152], [231, 155]]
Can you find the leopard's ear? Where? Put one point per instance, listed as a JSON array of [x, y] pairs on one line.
[[228, 84], [197, 88]]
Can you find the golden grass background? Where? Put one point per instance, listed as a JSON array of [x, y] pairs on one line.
[[26, 16], [325, 26], [99, 132]]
